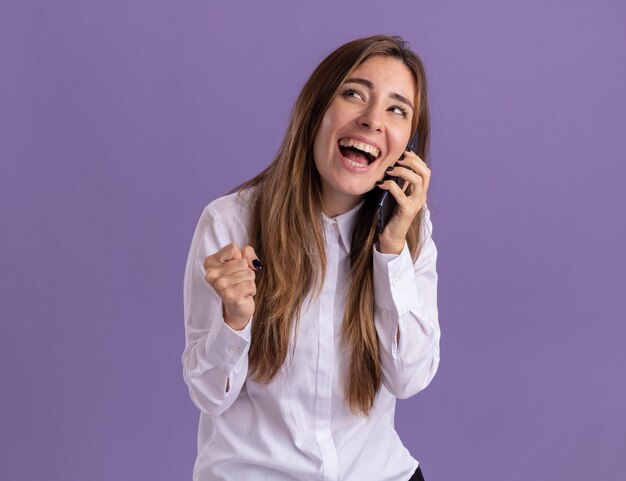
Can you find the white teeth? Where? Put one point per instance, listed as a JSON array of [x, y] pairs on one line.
[[370, 149], [355, 164]]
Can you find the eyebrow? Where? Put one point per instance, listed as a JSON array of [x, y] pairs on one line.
[[370, 85]]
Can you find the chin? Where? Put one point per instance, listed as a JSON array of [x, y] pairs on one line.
[[355, 190]]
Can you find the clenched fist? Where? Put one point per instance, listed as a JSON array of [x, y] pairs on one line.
[[231, 272]]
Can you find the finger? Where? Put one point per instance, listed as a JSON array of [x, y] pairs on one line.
[[393, 187], [225, 254], [239, 277], [413, 163], [229, 252], [406, 204], [241, 284], [221, 270], [249, 255], [230, 267], [418, 166], [238, 293], [413, 182], [409, 154], [222, 284]]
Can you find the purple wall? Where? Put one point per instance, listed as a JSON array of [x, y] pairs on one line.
[[120, 120]]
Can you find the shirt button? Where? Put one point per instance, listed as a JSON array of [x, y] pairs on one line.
[[396, 281], [232, 350], [333, 225]]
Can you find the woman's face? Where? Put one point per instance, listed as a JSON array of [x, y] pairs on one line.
[[364, 131]]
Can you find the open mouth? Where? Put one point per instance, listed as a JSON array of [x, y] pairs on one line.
[[358, 152]]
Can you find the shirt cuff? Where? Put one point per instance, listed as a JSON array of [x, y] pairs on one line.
[[245, 332], [395, 288], [225, 349]]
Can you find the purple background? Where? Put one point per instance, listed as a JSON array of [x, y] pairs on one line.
[[120, 120]]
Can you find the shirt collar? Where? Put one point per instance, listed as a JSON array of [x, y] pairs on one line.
[[345, 224]]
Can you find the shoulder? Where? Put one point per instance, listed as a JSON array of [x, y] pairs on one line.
[[228, 206], [229, 213]]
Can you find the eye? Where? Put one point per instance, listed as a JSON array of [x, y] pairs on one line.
[[352, 93], [397, 109]]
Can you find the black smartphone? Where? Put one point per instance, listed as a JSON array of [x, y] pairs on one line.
[[387, 203]]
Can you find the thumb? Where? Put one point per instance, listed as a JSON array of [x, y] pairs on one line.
[[253, 261]]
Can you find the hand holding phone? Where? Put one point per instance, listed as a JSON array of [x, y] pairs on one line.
[[387, 203]]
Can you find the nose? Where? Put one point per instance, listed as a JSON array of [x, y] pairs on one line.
[[371, 119]]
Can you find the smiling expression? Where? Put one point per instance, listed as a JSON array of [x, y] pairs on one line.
[[364, 130]]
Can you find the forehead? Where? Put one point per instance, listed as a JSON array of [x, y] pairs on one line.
[[388, 74]]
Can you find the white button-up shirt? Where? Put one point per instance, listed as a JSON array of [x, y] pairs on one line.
[[298, 428]]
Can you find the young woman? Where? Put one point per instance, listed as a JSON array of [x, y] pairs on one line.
[[303, 323]]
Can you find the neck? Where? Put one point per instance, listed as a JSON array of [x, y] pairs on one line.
[[332, 206]]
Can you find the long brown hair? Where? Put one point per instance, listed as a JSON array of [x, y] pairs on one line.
[[287, 234]]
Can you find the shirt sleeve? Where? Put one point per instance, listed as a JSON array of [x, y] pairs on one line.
[[406, 316], [215, 359]]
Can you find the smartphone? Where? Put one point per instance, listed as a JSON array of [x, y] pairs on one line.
[[387, 203]]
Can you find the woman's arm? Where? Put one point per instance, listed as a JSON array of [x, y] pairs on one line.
[[406, 316], [215, 359]]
